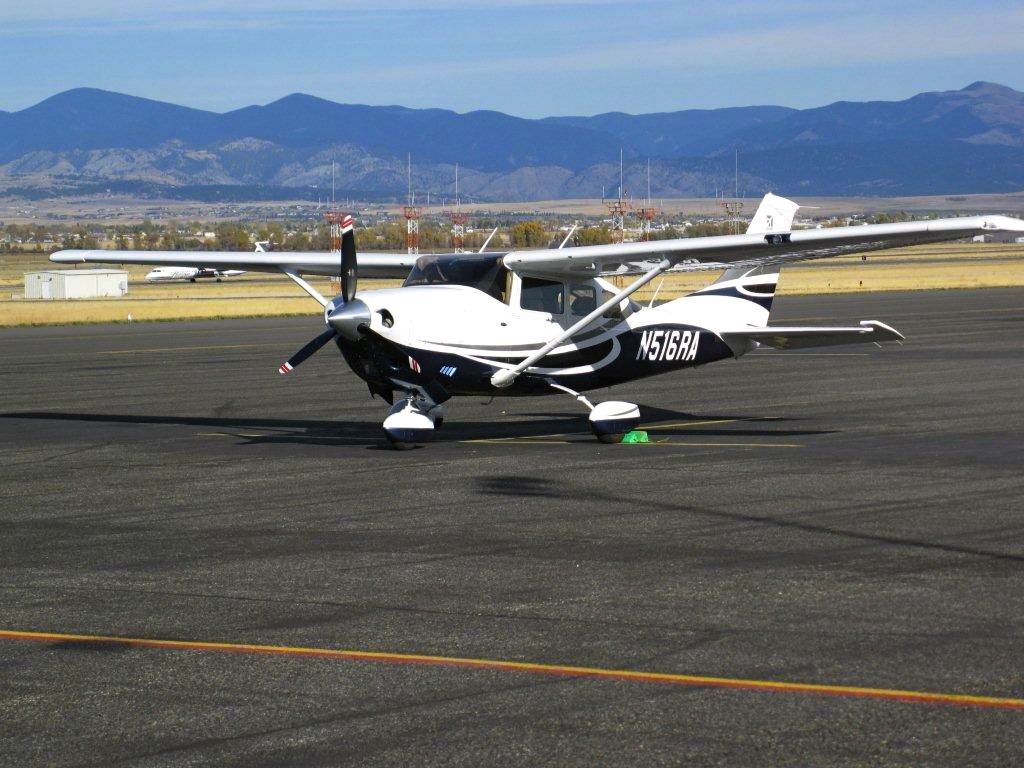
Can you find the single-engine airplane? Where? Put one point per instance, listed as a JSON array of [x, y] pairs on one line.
[[547, 321]]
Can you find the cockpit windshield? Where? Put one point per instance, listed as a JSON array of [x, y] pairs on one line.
[[485, 272]]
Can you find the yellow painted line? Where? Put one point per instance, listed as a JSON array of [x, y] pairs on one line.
[[789, 354], [180, 349], [688, 444], [904, 316], [285, 436], [517, 440], [627, 675], [546, 438], [691, 424]]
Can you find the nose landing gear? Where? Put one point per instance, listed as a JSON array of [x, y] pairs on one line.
[[411, 422]]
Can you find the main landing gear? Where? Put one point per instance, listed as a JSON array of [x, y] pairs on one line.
[[609, 421], [411, 422]]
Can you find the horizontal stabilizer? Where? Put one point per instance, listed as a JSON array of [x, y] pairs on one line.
[[801, 338]]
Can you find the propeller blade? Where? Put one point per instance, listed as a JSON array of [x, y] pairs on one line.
[[349, 267], [294, 361]]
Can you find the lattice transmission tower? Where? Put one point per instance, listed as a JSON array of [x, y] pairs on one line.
[[412, 216]]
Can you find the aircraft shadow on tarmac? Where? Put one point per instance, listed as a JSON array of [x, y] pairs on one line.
[[369, 433], [518, 486]]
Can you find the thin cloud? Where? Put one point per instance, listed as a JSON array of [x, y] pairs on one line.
[[864, 41], [127, 11]]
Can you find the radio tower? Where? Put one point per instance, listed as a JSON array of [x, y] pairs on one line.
[[458, 220], [734, 209], [334, 217], [618, 209], [648, 211], [412, 218]]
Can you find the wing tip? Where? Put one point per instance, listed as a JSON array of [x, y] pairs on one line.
[[67, 257]]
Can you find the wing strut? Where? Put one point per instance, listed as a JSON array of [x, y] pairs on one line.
[[488, 240], [506, 376], [305, 286], [573, 229]]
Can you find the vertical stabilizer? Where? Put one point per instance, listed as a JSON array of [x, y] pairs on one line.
[[747, 291], [774, 214], [750, 291]]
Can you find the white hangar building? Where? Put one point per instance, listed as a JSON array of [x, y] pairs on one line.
[[76, 283]]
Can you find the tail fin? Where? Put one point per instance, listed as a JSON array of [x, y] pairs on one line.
[[774, 214], [743, 295], [756, 285]]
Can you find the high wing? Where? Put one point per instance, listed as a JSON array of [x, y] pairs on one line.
[[700, 253], [781, 337], [751, 249], [380, 265]]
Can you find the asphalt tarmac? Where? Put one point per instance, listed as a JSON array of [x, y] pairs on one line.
[[849, 518]]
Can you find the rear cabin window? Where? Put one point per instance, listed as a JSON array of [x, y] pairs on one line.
[[542, 295]]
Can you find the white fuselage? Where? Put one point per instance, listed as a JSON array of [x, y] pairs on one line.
[[460, 332], [463, 320]]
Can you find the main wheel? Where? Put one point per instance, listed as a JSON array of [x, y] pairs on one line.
[[610, 421]]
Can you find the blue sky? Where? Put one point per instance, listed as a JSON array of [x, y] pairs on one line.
[[525, 57]]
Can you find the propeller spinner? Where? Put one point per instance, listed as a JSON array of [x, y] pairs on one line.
[[348, 321], [344, 314]]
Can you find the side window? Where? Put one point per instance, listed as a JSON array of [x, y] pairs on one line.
[[582, 299], [615, 311], [542, 295]]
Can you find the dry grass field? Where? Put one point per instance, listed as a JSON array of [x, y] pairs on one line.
[[957, 265], [930, 267]]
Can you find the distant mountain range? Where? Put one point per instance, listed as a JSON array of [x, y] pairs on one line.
[[87, 140]]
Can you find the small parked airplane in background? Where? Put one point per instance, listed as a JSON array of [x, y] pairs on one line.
[[163, 274], [548, 322]]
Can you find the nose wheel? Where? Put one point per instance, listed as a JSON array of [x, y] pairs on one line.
[[411, 423]]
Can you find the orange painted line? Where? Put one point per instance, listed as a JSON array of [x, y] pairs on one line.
[[598, 673]]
